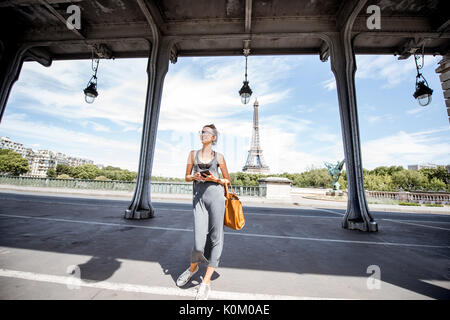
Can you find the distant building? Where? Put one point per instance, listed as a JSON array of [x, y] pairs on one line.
[[42, 160], [7, 143], [422, 166]]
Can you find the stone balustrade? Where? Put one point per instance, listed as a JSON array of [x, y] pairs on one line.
[[417, 197], [275, 188]]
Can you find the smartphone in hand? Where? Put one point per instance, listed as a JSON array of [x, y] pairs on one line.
[[205, 173]]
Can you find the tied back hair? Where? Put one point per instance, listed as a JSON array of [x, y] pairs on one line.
[[215, 132]]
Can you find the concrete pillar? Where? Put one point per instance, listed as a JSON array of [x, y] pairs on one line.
[[343, 66], [403, 195], [277, 188], [444, 75], [158, 64]]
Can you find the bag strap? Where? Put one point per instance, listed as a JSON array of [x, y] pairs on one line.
[[225, 186], [226, 189]]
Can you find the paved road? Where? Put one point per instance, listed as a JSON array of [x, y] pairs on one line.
[[47, 243]]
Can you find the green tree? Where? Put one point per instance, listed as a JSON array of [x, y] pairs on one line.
[[86, 171], [440, 173], [342, 182], [317, 178], [51, 173], [375, 182], [64, 176], [64, 169], [102, 178], [383, 170], [437, 185], [393, 169], [114, 173], [13, 163], [409, 180], [383, 178], [111, 168]]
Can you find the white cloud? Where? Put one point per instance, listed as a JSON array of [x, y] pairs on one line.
[[325, 137], [57, 91], [100, 150], [95, 126], [329, 84], [17, 116], [284, 153], [389, 68], [407, 148], [379, 118], [416, 110], [384, 67]]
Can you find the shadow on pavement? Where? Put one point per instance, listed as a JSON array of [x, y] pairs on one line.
[[274, 239]]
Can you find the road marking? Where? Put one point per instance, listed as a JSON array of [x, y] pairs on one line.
[[168, 291], [330, 211], [287, 215], [416, 224], [268, 214], [65, 202], [235, 233], [175, 210], [95, 223], [424, 221], [339, 240]]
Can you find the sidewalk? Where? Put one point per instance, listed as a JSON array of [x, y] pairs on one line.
[[297, 200]]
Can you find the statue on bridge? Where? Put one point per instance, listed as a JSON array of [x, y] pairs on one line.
[[335, 172]]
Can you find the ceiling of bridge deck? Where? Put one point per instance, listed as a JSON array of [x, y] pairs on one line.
[[207, 28]]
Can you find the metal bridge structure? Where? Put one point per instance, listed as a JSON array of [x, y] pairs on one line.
[[163, 30]]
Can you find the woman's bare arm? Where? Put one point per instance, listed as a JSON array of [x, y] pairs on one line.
[[190, 164], [224, 169]]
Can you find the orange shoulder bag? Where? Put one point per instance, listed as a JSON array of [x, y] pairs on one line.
[[234, 215]]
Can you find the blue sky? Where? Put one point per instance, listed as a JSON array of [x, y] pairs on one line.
[[298, 113]]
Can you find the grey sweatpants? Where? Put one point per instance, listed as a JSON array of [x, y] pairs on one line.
[[209, 210]]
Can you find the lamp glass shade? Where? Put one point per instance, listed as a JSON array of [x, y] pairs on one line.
[[424, 100], [89, 98], [423, 93], [245, 98], [245, 93], [90, 93]]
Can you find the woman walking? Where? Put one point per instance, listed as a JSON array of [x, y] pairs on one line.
[[209, 209]]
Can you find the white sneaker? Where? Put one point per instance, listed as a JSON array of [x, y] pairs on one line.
[[185, 276], [203, 291]]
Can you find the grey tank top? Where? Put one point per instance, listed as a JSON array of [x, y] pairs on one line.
[[212, 165]]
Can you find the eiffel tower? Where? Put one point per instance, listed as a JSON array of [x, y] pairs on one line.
[[255, 161]]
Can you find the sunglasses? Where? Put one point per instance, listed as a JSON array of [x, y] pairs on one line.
[[205, 132]]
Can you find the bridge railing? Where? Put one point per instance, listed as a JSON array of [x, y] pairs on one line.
[[116, 185], [417, 197]]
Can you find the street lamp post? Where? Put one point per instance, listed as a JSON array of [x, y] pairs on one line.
[[245, 91]]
